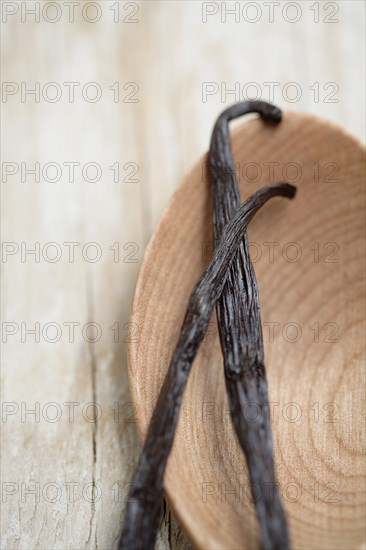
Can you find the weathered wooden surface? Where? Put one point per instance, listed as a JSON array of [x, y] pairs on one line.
[[169, 53]]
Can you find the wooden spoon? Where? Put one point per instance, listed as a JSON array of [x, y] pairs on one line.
[[308, 257]]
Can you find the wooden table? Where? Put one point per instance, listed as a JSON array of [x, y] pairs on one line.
[[124, 99]]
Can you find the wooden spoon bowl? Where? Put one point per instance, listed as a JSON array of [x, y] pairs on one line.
[[308, 257]]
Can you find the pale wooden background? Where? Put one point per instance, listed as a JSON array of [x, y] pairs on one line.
[[169, 53]]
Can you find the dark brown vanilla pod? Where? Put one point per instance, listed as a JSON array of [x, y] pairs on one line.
[[146, 495], [241, 339]]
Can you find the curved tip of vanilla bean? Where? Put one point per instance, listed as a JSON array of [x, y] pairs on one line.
[[275, 114], [266, 110], [286, 189]]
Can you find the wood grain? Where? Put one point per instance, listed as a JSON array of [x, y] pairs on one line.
[[315, 378]]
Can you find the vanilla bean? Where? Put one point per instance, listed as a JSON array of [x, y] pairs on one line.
[[146, 495], [241, 339]]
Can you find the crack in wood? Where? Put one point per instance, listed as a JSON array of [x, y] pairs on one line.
[[93, 375]]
